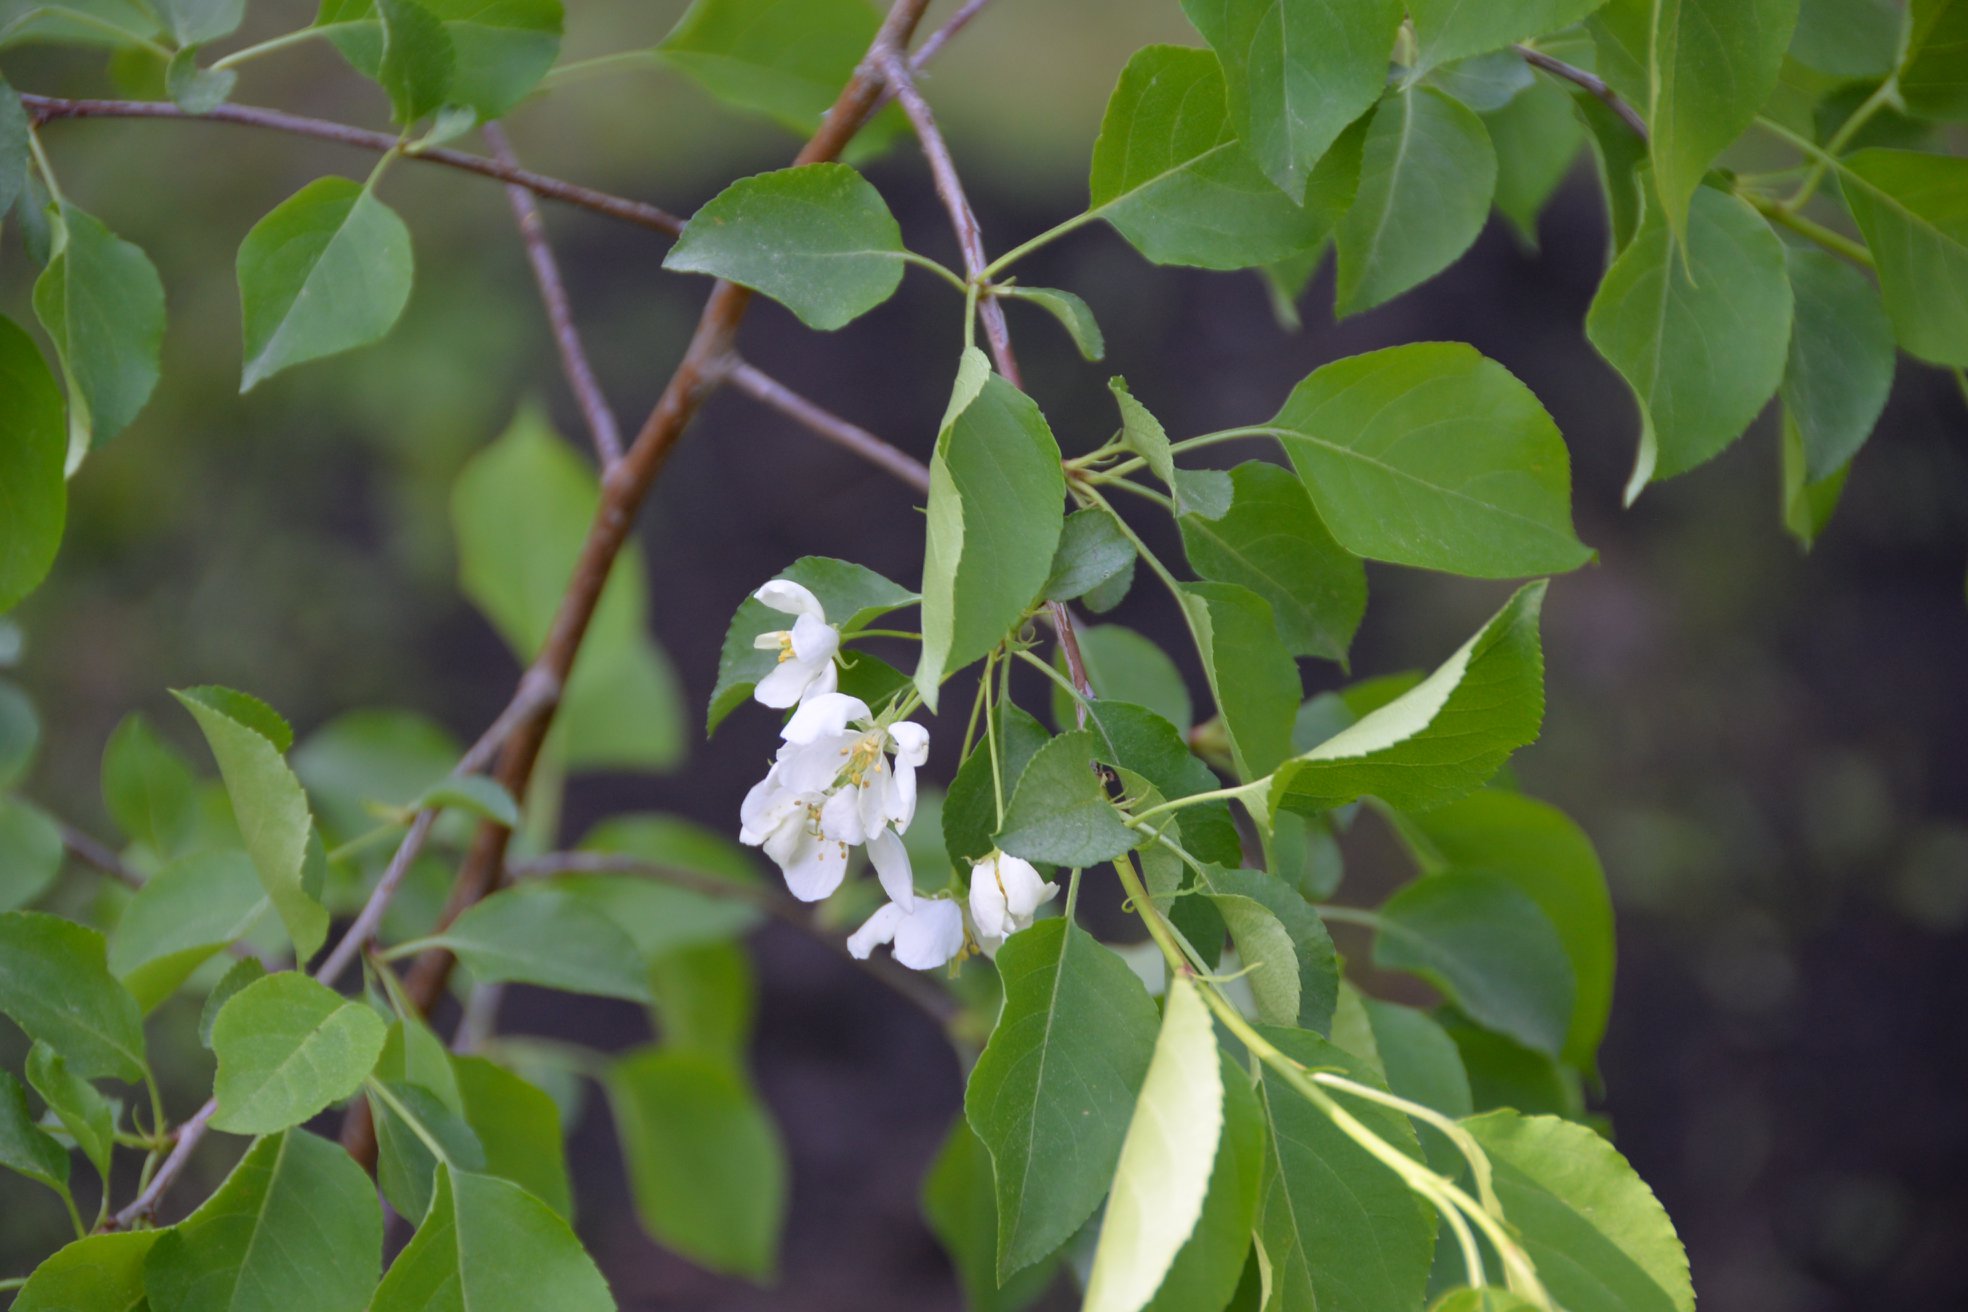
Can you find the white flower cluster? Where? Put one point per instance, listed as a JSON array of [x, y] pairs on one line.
[[844, 778]]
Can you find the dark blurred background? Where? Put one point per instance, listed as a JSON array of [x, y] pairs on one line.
[[1766, 745]]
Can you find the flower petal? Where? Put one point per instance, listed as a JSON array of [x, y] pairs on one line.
[[823, 715], [891, 862], [840, 817], [814, 640], [816, 870], [784, 686], [879, 928], [790, 598], [988, 909], [911, 742], [931, 935]]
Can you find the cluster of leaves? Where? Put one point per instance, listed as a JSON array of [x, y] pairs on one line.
[[1228, 1122]]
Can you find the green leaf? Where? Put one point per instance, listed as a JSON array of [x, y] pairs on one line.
[[1933, 80], [194, 22], [970, 811], [550, 935], [1338, 1228], [408, 1121], [1712, 68], [1550, 859], [1841, 359], [851, 597], [1450, 29], [1483, 82], [55, 984], [1074, 315], [103, 306], [1489, 948], [478, 794], [288, 1048], [1698, 331], [368, 759], [30, 853], [1050, 1094], [1807, 506], [24, 1146], [1166, 1159], [1621, 158], [1913, 210], [1137, 739], [1599, 1237], [1272, 542], [1481, 1300], [1206, 1269], [417, 62], [1092, 551], [1171, 176], [958, 1204], [706, 999], [102, 1273], [705, 1163], [1143, 434], [185, 913], [86, 1116], [785, 59], [1848, 38], [497, 51], [245, 971], [995, 515], [1426, 178], [14, 151], [327, 271], [659, 917], [294, 1228], [519, 1129], [521, 510], [1443, 738], [197, 90], [268, 802], [1125, 666], [489, 1246], [1059, 814], [20, 727], [1251, 675], [1536, 137], [1298, 74], [149, 789], [33, 452], [1421, 1064], [1299, 987], [1433, 456], [819, 239], [1505, 1073]]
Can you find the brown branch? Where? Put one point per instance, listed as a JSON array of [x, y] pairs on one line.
[[763, 387], [95, 853], [926, 997], [43, 109], [1591, 82], [581, 379]]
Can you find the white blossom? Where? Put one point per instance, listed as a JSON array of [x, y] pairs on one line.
[[806, 651], [927, 935], [1005, 895]]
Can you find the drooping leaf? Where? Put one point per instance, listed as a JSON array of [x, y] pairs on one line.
[[995, 515], [33, 453], [1712, 67], [1599, 1238], [55, 984], [1697, 329], [102, 1273], [416, 1132], [519, 1129], [25, 1147], [1807, 505], [1338, 1227], [1060, 813], [418, 61], [1272, 541], [294, 1228], [1450, 29], [185, 913], [1433, 456], [1050, 1094], [85, 1115], [1841, 359], [851, 596], [1537, 137], [1206, 1269], [489, 1246], [659, 917], [1142, 433], [1251, 674], [30, 853], [1074, 315], [1421, 1064], [498, 51], [1300, 988], [1913, 209], [14, 152], [248, 740], [706, 999], [327, 271], [786, 59], [149, 789], [1443, 738], [1166, 1159], [1297, 74], [1170, 174], [548, 934], [704, 1160], [521, 510], [818, 239], [1092, 552], [957, 1202], [1427, 174], [287, 1048], [20, 726], [102, 304], [245, 971]]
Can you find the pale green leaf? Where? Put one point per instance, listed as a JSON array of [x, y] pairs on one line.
[[197, 90], [102, 1273], [704, 1161], [1276, 929], [85, 1115], [1712, 67], [480, 795], [149, 789], [1433, 456], [1840, 368], [706, 999], [1251, 674], [1074, 315], [1050, 1094], [957, 1202], [287, 1048], [294, 1228], [786, 59], [1205, 1271], [185, 913], [519, 1130], [30, 852], [370, 758], [499, 49], [33, 453], [1450, 29], [1060, 814], [24, 1146], [1427, 174], [1698, 330], [550, 935], [102, 304], [1913, 209], [1422, 1064], [194, 22], [409, 1119], [1808, 504], [55, 984], [660, 917], [245, 971], [1142, 433], [818, 239]]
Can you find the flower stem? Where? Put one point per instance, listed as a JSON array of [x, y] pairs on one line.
[[1887, 94], [267, 47]]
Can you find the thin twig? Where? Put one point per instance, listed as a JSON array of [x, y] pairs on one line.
[[43, 109], [1591, 82], [926, 997], [145, 1206], [602, 427], [763, 387], [97, 854], [935, 41]]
